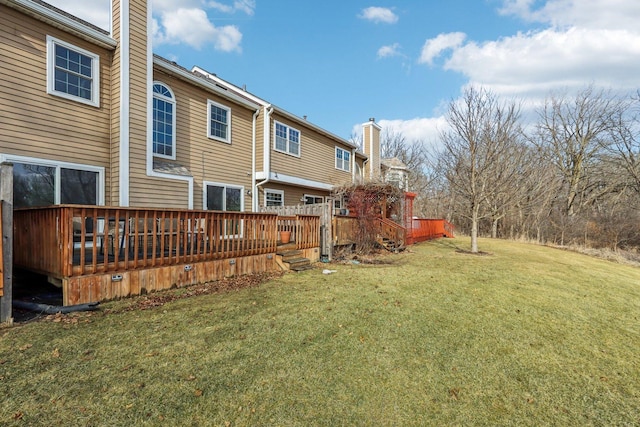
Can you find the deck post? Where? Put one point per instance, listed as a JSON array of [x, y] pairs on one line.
[[6, 251]]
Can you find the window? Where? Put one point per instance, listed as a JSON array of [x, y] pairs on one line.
[[164, 121], [219, 122], [287, 139], [72, 73], [48, 184], [222, 197], [273, 197], [343, 159], [312, 200]]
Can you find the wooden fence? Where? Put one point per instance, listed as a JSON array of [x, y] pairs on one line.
[[426, 229], [393, 231], [1, 255], [72, 240], [304, 229], [324, 212]]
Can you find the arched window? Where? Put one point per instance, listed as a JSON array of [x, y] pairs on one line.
[[164, 121]]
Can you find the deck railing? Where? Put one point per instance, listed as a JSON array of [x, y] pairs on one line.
[[427, 229], [72, 240], [344, 230], [393, 231], [305, 229]]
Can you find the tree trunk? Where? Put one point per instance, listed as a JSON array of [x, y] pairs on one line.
[[474, 234], [494, 228]]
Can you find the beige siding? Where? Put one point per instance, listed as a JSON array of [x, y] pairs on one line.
[[144, 191], [371, 143], [37, 124], [115, 101], [260, 141], [208, 159], [292, 195], [317, 156]]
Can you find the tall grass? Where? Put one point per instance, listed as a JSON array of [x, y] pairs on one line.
[[526, 335]]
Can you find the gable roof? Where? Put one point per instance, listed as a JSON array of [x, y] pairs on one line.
[[300, 120], [203, 81], [60, 19]]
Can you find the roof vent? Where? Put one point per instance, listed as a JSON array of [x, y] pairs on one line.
[[372, 119]]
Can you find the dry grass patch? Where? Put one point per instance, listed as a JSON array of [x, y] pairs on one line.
[[527, 336]]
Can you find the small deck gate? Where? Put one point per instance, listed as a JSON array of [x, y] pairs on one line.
[[323, 210]]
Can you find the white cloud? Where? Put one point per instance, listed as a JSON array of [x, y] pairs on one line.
[[418, 129], [379, 15], [434, 47], [178, 27], [246, 6], [389, 51], [597, 14], [551, 59], [96, 12], [185, 22]]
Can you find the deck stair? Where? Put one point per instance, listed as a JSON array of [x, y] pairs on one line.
[[391, 245], [290, 258], [391, 236]]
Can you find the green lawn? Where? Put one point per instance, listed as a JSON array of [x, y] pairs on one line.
[[526, 335]]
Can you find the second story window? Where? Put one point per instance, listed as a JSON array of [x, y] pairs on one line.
[[72, 72], [164, 121], [343, 159], [219, 122], [287, 139]]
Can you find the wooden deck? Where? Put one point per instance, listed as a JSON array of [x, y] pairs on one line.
[[99, 253], [423, 229]]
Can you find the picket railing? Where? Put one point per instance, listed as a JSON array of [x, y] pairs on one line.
[[426, 229], [304, 229], [72, 240]]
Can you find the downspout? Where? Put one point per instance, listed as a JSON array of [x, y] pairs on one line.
[[266, 165], [353, 165], [254, 188]]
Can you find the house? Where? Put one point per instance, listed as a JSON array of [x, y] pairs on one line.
[[395, 172], [93, 118]]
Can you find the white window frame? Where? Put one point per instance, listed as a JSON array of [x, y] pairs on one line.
[[279, 192], [61, 165], [172, 101], [226, 140], [51, 75], [347, 163], [205, 184], [314, 196], [287, 150], [225, 186]]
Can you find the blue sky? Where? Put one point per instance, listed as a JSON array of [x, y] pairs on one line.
[[340, 62]]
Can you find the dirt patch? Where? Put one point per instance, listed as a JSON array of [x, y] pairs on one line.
[[158, 299], [479, 253]]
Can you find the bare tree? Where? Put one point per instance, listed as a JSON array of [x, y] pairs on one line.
[[571, 132], [478, 153], [412, 153], [624, 144]]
